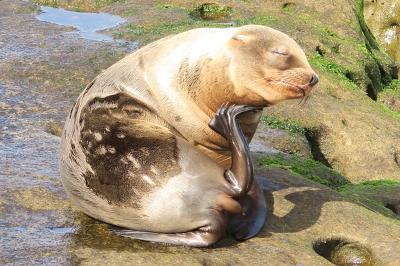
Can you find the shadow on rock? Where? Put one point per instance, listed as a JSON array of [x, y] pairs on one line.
[[294, 204]]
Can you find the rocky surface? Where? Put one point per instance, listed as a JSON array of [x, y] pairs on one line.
[[317, 215], [383, 18]]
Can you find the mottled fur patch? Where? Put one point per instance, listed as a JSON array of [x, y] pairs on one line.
[[129, 156], [189, 76]]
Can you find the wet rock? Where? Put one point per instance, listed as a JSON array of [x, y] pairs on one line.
[[282, 140], [344, 253], [352, 254], [2, 206], [4, 106], [39, 199], [54, 128]]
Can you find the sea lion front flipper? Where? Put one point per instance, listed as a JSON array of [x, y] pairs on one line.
[[197, 238], [251, 221], [226, 123]]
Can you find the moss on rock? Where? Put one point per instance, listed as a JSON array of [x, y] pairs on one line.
[[307, 168], [376, 195], [211, 11], [288, 125], [390, 96]]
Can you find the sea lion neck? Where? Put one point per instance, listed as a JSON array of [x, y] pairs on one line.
[[212, 86]]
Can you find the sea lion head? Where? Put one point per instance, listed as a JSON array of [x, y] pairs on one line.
[[267, 66]]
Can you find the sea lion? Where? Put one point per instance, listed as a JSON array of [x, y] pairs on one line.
[[147, 144]]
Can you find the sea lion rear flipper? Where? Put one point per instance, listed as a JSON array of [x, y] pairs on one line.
[[197, 238], [249, 224]]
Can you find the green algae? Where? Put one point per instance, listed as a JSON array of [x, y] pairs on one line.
[[266, 20], [393, 85], [373, 194], [149, 33], [370, 185], [273, 121], [307, 168], [369, 194], [211, 11], [152, 32], [329, 66]]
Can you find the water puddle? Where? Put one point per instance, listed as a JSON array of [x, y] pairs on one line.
[[88, 24]]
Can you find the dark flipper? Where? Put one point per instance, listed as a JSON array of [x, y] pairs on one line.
[[246, 190], [197, 238], [226, 123], [251, 221]]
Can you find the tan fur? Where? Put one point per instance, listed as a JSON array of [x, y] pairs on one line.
[[246, 71], [171, 89]]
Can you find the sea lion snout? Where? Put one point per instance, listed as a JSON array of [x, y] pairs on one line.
[[305, 90], [314, 80]]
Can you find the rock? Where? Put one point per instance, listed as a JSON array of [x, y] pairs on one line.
[[305, 167], [54, 128], [211, 11], [383, 18], [349, 132], [343, 253], [390, 97], [282, 140], [37, 199], [382, 196], [355, 135], [352, 134], [301, 214]]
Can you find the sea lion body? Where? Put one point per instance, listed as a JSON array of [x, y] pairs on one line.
[[137, 150]]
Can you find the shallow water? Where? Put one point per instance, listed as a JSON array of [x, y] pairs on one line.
[[37, 223], [88, 24]]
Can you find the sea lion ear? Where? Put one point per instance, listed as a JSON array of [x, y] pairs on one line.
[[239, 39]]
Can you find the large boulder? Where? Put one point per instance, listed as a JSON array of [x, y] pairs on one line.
[[347, 129], [383, 18]]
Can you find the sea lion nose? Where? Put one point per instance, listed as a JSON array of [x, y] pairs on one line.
[[314, 80]]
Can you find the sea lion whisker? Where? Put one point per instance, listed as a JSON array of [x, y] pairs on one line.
[[300, 101], [303, 100], [306, 100]]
